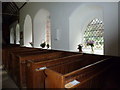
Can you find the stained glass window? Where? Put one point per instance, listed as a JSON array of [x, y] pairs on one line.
[[94, 33]]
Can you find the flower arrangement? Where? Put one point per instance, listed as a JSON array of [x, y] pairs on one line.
[[90, 43], [44, 44], [80, 47], [48, 45], [31, 43]]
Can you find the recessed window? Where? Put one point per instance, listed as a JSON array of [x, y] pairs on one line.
[[28, 31], [12, 36], [17, 34], [48, 32], [94, 34], [42, 29]]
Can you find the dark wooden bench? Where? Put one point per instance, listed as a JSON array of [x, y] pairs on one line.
[[35, 68], [20, 64], [4, 49], [84, 73], [16, 52], [12, 49], [5, 53]]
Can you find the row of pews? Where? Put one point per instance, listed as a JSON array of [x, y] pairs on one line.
[[41, 68]]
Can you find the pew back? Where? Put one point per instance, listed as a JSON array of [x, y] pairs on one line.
[[20, 63], [81, 70], [13, 55], [35, 69]]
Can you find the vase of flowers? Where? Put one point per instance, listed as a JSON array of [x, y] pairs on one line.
[[43, 44], [31, 43], [80, 47], [91, 43], [48, 46]]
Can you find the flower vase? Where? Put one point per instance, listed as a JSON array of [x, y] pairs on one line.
[[92, 50], [80, 48]]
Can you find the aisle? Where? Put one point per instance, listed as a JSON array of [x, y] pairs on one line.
[[7, 82]]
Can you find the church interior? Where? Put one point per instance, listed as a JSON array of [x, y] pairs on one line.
[[60, 45]]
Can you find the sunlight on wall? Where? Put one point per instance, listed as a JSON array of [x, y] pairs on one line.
[[17, 34], [27, 31], [79, 20], [42, 28], [12, 37], [93, 38]]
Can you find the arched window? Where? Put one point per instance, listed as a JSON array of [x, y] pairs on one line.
[[17, 34], [28, 31], [42, 29], [48, 32], [93, 37], [12, 36]]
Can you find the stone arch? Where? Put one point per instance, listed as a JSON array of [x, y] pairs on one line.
[[41, 21]]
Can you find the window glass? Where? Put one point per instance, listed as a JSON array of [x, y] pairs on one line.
[[94, 35]]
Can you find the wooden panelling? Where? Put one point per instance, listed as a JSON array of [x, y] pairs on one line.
[[36, 77], [41, 68], [20, 64], [83, 70]]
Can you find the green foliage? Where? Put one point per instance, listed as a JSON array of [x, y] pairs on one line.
[[48, 45], [43, 45]]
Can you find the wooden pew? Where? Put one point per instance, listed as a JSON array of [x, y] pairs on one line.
[[16, 52], [84, 73], [113, 74], [5, 53], [20, 64], [35, 68], [4, 48]]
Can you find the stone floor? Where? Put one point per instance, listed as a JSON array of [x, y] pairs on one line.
[[7, 82]]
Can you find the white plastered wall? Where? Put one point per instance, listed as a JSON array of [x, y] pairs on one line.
[[39, 24], [12, 37], [78, 21], [12, 32], [119, 28], [60, 13], [27, 33], [107, 12], [17, 34]]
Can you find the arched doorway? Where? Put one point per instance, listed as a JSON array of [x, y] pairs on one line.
[[17, 34], [42, 28], [27, 33]]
